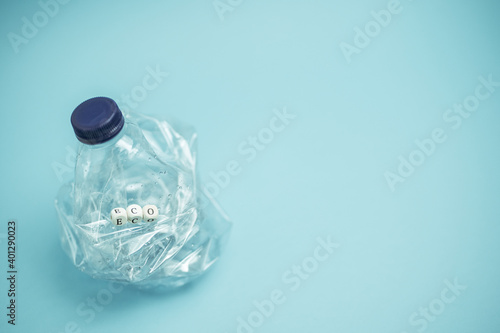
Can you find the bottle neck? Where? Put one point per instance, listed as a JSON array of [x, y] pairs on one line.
[[111, 142], [126, 144]]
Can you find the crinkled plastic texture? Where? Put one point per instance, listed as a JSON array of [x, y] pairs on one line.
[[149, 162]]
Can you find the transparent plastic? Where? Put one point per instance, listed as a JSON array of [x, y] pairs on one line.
[[147, 163]]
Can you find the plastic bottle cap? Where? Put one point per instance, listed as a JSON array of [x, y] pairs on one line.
[[97, 120]]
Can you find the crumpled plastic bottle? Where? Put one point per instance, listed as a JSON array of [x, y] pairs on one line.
[[140, 160]]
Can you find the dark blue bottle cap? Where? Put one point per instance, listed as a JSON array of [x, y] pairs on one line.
[[97, 120]]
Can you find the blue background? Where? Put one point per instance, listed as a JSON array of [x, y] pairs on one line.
[[322, 176]]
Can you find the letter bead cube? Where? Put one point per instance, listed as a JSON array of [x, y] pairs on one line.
[[118, 216], [134, 213], [150, 213]]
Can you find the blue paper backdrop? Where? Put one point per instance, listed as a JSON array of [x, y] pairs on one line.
[[371, 205]]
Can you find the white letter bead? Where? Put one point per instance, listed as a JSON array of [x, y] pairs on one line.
[[134, 213], [118, 216], [150, 213]]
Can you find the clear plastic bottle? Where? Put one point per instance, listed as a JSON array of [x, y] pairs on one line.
[[145, 161]]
